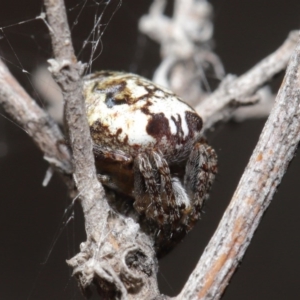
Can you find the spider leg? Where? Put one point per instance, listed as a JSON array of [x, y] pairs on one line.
[[200, 172], [157, 194], [146, 190], [169, 188], [114, 169], [109, 155]]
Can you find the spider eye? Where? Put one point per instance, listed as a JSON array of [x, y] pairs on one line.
[[113, 94], [110, 101]]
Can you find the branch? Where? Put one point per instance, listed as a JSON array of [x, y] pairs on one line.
[[235, 92], [67, 73], [117, 256], [268, 163], [36, 122]]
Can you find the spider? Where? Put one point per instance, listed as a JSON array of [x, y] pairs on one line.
[[148, 145]]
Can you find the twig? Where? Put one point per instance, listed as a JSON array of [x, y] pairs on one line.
[[117, 256], [235, 92], [38, 124], [67, 73], [267, 165], [185, 41], [260, 110]]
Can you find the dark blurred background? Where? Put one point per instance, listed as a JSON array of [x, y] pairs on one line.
[[31, 215]]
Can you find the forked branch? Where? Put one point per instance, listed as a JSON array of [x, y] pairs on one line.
[[117, 256]]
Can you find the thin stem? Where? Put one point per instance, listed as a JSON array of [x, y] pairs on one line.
[[67, 73], [268, 163], [35, 121], [235, 92]]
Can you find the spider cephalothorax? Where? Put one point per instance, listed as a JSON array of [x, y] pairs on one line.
[[148, 145]]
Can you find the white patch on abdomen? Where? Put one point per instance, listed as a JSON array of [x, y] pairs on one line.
[[172, 107], [137, 91], [133, 122]]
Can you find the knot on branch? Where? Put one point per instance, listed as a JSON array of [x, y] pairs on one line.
[[66, 73], [119, 262]]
